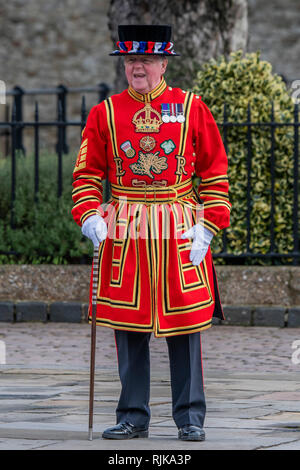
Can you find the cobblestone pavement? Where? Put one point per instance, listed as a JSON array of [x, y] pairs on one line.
[[252, 383]]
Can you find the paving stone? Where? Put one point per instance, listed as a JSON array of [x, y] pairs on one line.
[[291, 445], [66, 312], [269, 316], [252, 390], [26, 444], [31, 311], [6, 311]]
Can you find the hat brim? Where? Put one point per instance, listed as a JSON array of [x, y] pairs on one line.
[[126, 54]]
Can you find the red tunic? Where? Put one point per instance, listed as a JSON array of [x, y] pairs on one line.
[[146, 280]]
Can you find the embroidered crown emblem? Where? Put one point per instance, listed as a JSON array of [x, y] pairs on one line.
[[147, 119]]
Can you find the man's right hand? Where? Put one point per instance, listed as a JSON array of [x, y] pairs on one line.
[[95, 229]]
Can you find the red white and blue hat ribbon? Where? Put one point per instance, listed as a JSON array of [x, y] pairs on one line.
[[144, 47]]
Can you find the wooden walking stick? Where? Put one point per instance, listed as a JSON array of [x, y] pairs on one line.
[[93, 339]]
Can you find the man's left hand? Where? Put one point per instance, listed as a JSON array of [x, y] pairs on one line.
[[201, 240]]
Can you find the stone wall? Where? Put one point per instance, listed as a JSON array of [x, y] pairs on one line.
[[44, 44], [239, 285], [47, 43], [250, 294], [274, 29]]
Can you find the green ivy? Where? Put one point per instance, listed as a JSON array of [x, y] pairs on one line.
[[242, 80]]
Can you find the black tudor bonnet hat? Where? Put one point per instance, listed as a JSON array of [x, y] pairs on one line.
[[144, 40]]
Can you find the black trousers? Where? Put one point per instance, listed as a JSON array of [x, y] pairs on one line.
[[188, 399]]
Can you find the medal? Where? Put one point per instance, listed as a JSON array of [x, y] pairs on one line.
[[165, 112], [173, 117], [179, 113], [172, 112]]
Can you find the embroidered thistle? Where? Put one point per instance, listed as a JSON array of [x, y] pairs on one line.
[[148, 162]]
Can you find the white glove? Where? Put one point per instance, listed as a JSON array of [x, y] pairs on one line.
[[95, 229], [201, 241]]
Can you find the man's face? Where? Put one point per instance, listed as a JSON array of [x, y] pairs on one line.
[[144, 73]]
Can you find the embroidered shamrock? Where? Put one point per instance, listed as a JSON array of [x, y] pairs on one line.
[[168, 146]]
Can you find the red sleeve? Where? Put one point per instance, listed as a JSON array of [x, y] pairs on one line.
[[90, 169], [211, 166]]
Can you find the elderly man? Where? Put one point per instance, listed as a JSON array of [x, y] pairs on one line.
[[156, 272]]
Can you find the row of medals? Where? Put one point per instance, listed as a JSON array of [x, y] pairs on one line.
[[172, 112]]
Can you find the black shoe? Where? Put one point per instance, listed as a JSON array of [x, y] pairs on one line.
[[124, 431], [191, 433]]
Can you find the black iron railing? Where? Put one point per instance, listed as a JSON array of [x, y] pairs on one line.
[[61, 92], [272, 125]]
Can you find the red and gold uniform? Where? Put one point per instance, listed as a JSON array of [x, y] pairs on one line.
[[146, 280]]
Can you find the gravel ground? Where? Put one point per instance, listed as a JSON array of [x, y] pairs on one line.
[[248, 349]]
